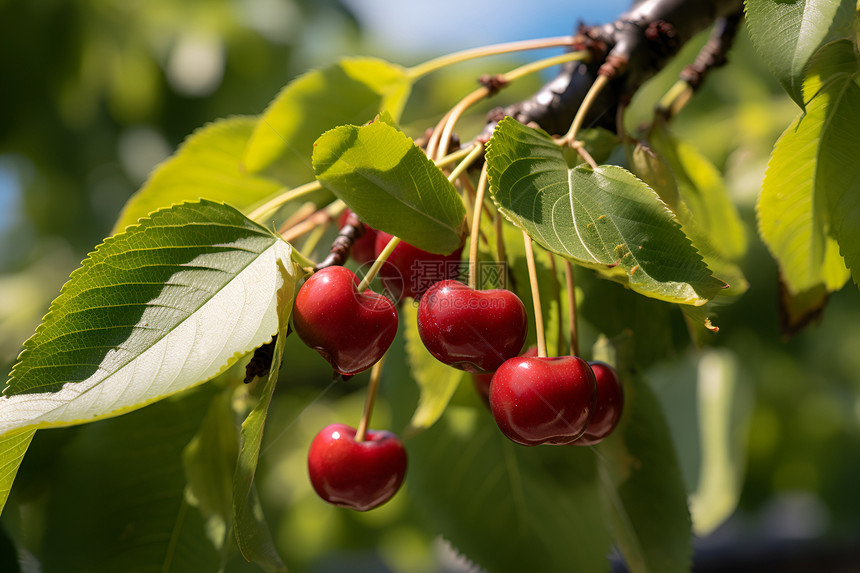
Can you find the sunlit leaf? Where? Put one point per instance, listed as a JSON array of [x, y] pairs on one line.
[[603, 218], [249, 525], [794, 217], [165, 305], [703, 192], [207, 166], [13, 446], [351, 91], [392, 185], [436, 381], [838, 169], [787, 34]]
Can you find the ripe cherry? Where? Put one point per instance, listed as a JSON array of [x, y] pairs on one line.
[[351, 330], [482, 381], [409, 271], [610, 402], [362, 248], [358, 475], [473, 330], [543, 400]]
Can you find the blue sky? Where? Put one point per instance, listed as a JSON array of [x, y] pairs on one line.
[[412, 27]]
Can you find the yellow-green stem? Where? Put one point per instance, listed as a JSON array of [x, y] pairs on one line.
[[372, 387], [477, 149], [448, 122], [587, 102], [675, 99], [571, 301], [380, 260], [270, 206], [535, 288], [476, 226], [429, 66]]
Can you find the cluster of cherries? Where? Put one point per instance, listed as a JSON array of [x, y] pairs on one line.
[[534, 400]]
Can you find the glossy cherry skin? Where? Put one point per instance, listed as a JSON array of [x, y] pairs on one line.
[[358, 475], [473, 330], [610, 403], [482, 381], [409, 271], [543, 400], [363, 248], [351, 330]]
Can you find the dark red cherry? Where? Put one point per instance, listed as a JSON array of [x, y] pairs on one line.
[[473, 330], [409, 271], [358, 475], [482, 381], [610, 403], [351, 330], [543, 400]]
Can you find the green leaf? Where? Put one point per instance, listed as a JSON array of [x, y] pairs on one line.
[[701, 188], [708, 420], [391, 185], [506, 507], [603, 218], [694, 190], [437, 381], [210, 461], [249, 525], [351, 91], [119, 496], [642, 487], [13, 446], [800, 194], [838, 169], [787, 34], [165, 305], [206, 166]]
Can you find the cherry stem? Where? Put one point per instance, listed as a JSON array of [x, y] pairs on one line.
[[533, 283], [320, 217], [439, 142], [476, 150], [372, 387], [587, 102], [500, 238], [380, 260], [272, 205], [674, 100], [476, 226], [580, 149], [464, 55], [571, 301], [559, 351]]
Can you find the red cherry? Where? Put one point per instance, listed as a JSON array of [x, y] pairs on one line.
[[473, 330], [482, 381], [409, 271], [610, 402], [358, 475], [351, 330], [543, 400], [362, 248]]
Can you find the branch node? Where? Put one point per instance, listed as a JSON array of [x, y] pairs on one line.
[[493, 83]]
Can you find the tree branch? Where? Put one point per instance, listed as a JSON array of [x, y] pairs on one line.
[[630, 50]]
